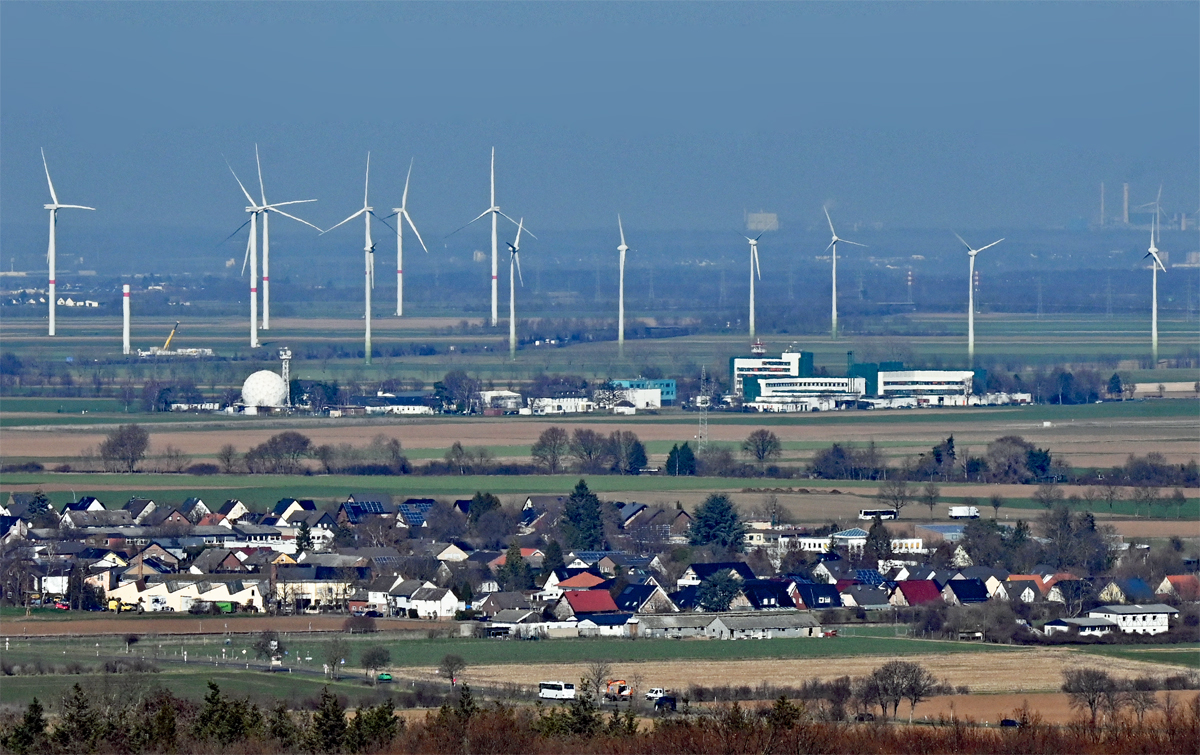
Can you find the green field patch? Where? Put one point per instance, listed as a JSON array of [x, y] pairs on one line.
[[1186, 655]]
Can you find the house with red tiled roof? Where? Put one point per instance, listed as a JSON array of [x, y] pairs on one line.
[[1182, 586], [531, 556], [915, 592], [575, 604]]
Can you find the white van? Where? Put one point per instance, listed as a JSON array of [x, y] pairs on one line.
[[556, 691]]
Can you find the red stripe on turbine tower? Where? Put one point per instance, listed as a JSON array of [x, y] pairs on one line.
[[253, 290], [52, 281]]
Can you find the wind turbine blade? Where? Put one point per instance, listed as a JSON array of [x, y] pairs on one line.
[[239, 229], [293, 217], [826, 209], [831, 243], [851, 243], [246, 259], [381, 220], [520, 227], [757, 267], [347, 220], [621, 228], [53, 196], [989, 246], [759, 236], [515, 223], [294, 201], [964, 241], [517, 259], [261, 189], [249, 198], [404, 196], [367, 180], [414, 229], [74, 207], [477, 217]]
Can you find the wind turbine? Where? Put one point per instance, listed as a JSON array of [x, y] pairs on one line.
[[971, 252], [494, 211], [514, 260], [1155, 265], [255, 209], [833, 245], [402, 216], [367, 212], [266, 210], [51, 256], [754, 270], [621, 294]]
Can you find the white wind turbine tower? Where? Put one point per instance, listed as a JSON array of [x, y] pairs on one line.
[[971, 252], [495, 212], [1155, 265], [514, 260], [51, 255], [402, 216], [623, 248], [833, 245], [755, 270], [367, 213]]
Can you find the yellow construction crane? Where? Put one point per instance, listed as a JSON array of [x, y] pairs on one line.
[[167, 344]]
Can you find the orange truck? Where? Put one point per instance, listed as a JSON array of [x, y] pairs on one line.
[[618, 690]]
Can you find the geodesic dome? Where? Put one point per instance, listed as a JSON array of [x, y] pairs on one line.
[[264, 388]]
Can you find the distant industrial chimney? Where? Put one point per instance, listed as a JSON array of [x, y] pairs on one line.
[[125, 318], [1125, 208], [285, 354]]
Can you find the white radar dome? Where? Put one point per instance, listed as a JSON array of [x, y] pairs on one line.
[[264, 388]]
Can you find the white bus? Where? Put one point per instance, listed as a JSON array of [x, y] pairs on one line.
[[556, 691], [869, 514]]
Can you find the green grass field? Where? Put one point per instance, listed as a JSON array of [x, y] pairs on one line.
[[1186, 655]]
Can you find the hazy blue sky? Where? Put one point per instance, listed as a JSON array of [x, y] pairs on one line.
[[679, 115]]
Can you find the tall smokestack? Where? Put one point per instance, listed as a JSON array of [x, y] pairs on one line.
[[125, 319], [1125, 208]]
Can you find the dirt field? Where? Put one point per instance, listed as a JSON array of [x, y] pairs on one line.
[[1016, 672], [190, 625], [1083, 443], [1053, 707]]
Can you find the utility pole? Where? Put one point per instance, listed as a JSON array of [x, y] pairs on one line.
[[702, 434]]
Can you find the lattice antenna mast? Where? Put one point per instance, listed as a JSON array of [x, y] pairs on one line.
[[285, 355], [702, 434]]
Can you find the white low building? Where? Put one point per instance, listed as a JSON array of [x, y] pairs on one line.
[[928, 387], [567, 405], [1149, 619], [802, 394]]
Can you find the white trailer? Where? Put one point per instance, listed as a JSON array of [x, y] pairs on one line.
[[964, 512]]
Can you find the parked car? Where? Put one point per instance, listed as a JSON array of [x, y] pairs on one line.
[[383, 678], [62, 605], [655, 693], [1010, 723]]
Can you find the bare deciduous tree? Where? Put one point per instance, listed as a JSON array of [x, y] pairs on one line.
[[596, 674]]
